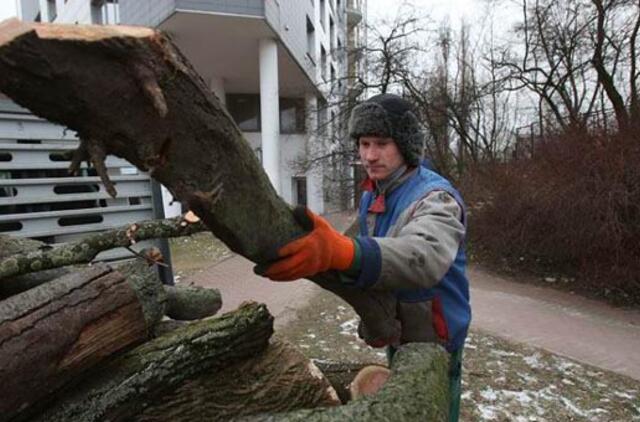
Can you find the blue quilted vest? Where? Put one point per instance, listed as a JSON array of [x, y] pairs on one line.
[[453, 290]]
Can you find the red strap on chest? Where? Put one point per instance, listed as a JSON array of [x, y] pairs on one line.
[[378, 205], [439, 323]]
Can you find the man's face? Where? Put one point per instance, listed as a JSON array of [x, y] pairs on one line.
[[380, 156]]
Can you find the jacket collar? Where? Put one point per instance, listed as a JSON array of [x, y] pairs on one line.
[[383, 187]]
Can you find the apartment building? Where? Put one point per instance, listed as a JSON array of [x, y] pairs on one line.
[[275, 64]]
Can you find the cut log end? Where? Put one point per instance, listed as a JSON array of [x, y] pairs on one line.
[[369, 381], [13, 28]]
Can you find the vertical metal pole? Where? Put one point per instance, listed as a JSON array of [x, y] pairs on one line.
[[165, 273]]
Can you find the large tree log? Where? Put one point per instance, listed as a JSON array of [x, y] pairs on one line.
[[279, 379], [129, 92], [54, 332], [418, 390], [154, 371]]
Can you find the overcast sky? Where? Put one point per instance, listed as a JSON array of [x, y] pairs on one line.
[[438, 9], [476, 13]]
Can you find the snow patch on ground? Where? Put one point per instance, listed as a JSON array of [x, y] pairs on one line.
[[505, 382], [533, 360], [487, 413]]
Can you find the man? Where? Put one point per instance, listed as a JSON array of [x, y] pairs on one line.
[[412, 227]]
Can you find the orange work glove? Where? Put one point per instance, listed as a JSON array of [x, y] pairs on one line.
[[321, 250]]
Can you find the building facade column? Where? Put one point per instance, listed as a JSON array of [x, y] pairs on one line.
[[270, 111], [315, 182], [44, 11]]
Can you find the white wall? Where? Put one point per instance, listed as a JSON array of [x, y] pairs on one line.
[[145, 12], [291, 148], [171, 208], [74, 11]]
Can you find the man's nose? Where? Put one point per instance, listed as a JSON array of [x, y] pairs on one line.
[[371, 154]]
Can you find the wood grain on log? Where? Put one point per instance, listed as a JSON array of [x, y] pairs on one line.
[[131, 90], [279, 379], [54, 332], [127, 385], [418, 390]]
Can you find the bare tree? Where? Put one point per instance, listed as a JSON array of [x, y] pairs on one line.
[[615, 53], [573, 55]]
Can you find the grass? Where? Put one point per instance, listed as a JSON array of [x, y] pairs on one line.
[[190, 255]]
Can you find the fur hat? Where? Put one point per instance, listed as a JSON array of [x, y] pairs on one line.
[[387, 115]]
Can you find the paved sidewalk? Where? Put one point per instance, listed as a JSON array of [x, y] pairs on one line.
[[237, 283], [566, 324]]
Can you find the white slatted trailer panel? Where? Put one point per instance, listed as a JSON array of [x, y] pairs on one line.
[[39, 199]]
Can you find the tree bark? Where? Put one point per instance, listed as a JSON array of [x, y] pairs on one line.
[[188, 303], [418, 390], [32, 259], [132, 92], [153, 372], [278, 379], [13, 285], [604, 77], [51, 334]]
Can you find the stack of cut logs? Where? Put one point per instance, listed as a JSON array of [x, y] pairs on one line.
[[110, 342]]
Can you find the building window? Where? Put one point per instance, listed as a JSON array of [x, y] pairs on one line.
[[311, 40], [245, 110], [292, 115], [300, 190]]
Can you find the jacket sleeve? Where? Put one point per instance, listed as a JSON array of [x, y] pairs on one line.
[[419, 249]]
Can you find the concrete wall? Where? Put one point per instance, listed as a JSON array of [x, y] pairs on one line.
[[292, 147], [145, 12], [28, 9], [233, 7], [75, 11], [288, 19]]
